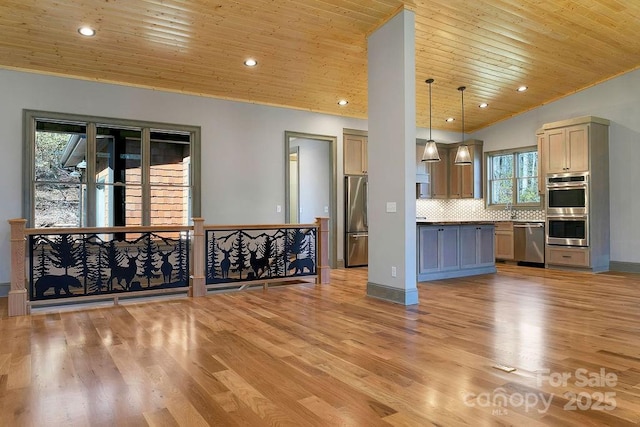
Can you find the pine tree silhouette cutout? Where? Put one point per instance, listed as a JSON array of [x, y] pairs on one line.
[[212, 258], [150, 258], [240, 254], [64, 253]]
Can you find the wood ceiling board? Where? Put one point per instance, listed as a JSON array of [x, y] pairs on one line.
[[312, 53]]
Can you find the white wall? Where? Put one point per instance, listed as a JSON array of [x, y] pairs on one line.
[[617, 100], [242, 144], [392, 157], [314, 162], [247, 138]]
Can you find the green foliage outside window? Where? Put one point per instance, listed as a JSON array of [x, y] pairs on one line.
[[513, 178]]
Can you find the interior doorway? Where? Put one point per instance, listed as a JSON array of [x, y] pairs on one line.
[[310, 182]]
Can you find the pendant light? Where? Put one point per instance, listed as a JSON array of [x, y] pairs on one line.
[[430, 150], [462, 155]]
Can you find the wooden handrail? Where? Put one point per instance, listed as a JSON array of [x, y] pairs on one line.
[[107, 230], [259, 226]]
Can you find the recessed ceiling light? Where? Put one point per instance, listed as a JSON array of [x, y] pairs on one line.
[[449, 120], [87, 31], [343, 102], [522, 88], [250, 62], [483, 105]]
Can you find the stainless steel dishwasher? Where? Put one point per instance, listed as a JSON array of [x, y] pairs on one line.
[[528, 242]]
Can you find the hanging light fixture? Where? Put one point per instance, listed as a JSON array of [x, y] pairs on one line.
[[462, 155], [430, 150]]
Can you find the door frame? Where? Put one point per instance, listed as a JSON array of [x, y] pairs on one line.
[[333, 191]]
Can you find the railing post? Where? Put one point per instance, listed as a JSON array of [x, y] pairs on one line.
[[18, 293], [323, 268], [197, 286]]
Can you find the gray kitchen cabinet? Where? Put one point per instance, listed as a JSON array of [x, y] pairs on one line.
[[580, 144], [422, 168], [451, 181], [439, 174], [355, 154], [447, 251], [567, 149], [476, 246], [504, 247], [465, 181], [542, 159], [438, 249]]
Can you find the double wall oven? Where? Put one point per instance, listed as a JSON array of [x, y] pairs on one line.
[[568, 209]]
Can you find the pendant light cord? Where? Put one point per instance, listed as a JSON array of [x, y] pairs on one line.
[[430, 111], [461, 89]]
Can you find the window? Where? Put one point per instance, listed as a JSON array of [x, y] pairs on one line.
[[102, 172], [512, 178]]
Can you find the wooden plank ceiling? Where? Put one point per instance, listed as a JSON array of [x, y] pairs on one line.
[[311, 53]]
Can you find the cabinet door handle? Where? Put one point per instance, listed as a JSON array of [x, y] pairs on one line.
[[566, 256]]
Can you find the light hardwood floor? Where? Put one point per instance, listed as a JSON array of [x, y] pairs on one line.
[[328, 356]]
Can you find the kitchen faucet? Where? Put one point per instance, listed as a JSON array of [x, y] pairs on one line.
[[511, 210]]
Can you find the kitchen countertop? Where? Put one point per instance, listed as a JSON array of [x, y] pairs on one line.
[[425, 221], [455, 222]]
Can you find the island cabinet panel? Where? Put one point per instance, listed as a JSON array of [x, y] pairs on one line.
[[476, 246], [439, 246], [448, 244], [428, 261], [454, 250], [486, 243], [468, 246]]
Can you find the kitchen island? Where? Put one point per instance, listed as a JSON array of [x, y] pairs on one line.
[[454, 249]]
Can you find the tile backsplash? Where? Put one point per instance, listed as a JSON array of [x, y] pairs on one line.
[[470, 210]]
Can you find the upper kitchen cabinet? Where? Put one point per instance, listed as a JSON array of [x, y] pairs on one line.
[[422, 168], [567, 149], [541, 137], [465, 181], [570, 145], [355, 154], [439, 173]]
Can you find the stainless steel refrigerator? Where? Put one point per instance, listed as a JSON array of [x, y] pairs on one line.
[[356, 239]]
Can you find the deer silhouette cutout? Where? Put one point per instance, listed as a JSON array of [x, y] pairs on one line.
[[225, 263], [126, 273], [258, 265], [166, 268]]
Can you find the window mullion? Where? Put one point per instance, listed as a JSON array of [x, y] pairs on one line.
[[29, 181], [146, 175], [90, 171], [514, 181]]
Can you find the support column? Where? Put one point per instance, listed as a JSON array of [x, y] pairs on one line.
[[322, 239], [197, 287], [391, 161], [18, 293]]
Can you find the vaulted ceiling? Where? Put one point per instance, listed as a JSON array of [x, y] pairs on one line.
[[312, 53]]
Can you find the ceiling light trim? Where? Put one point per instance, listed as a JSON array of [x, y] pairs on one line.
[[86, 31]]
